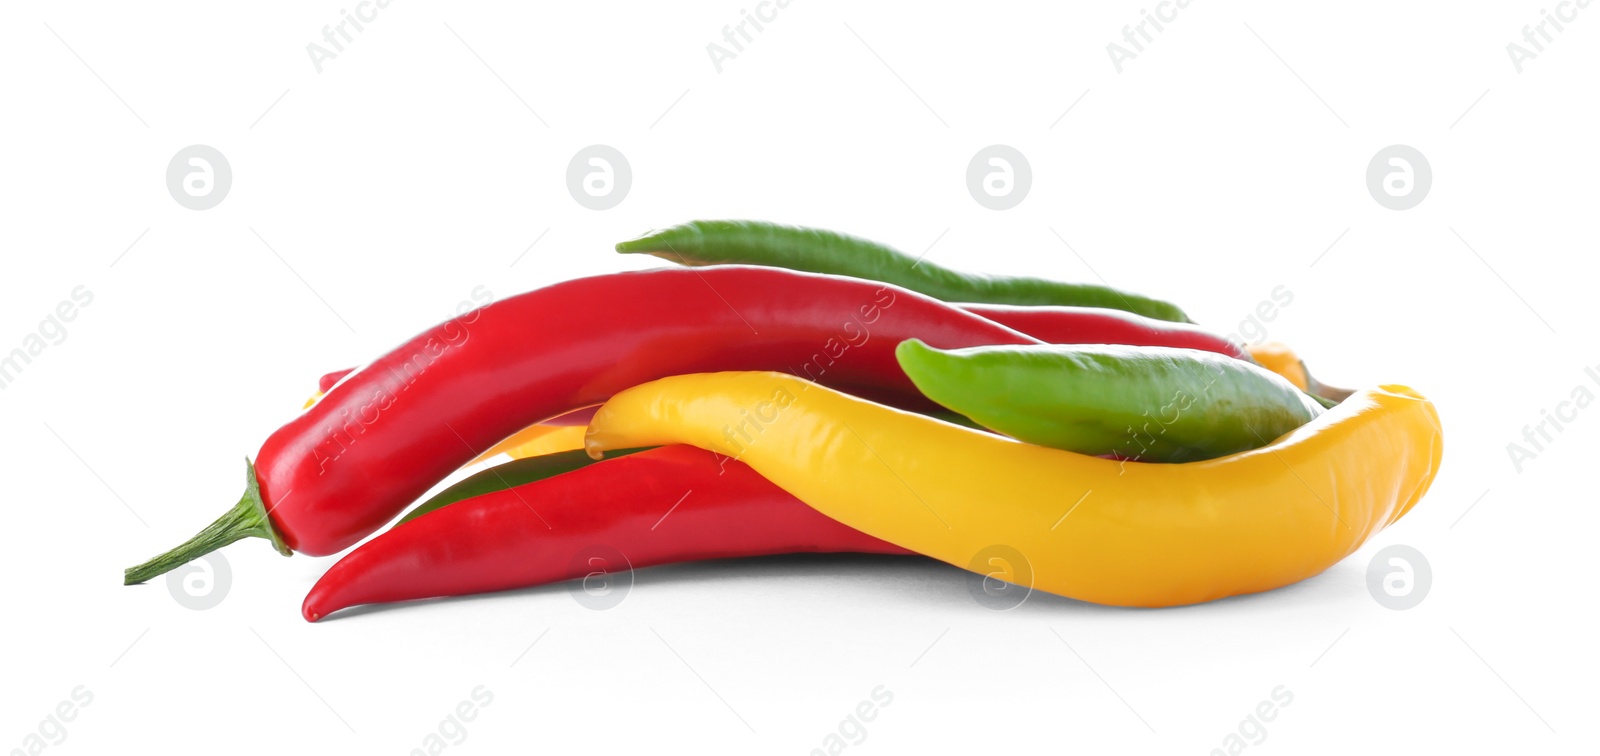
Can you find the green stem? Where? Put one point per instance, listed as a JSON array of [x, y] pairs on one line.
[[246, 519]]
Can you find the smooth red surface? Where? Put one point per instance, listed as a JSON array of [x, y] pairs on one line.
[[392, 429], [672, 504], [1052, 325], [1093, 325]]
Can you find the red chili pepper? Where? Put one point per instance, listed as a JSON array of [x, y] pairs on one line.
[[672, 504], [1094, 325], [327, 381], [1050, 324], [1054, 324], [392, 429], [575, 417]]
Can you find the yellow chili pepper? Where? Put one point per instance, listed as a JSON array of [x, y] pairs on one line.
[[1281, 360], [1100, 530]]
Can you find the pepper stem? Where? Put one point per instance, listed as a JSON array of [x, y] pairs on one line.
[[246, 519], [1328, 395]]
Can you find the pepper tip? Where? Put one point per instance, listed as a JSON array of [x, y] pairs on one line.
[[640, 243]]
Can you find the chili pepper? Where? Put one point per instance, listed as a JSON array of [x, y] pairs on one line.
[[517, 472], [326, 382], [536, 440], [1053, 325], [1155, 404], [389, 431], [329, 380], [673, 504], [556, 434], [1100, 530], [577, 418], [714, 242], [1281, 360], [1099, 325]]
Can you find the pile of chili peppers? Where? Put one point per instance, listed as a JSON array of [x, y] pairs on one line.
[[797, 390]]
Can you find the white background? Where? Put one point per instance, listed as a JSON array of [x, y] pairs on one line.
[[413, 168]]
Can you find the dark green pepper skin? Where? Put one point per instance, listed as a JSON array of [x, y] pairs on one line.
[[718, 242], [1151, 404]]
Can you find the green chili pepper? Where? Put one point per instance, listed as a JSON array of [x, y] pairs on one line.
[[817, 251], [1152, 404], [509, 475]]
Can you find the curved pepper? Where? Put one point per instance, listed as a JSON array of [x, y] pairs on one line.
[[389, 431], [1280, 359], [674, 504], [1156, 404], [1052, 325], [1060, 324], [716, 242], [559, 434], [515, 473], [1100, 530], [329, 380]]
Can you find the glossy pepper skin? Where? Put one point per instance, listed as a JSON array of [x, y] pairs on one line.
[[1053, 325], [517, 472], [716, 242], [1153, 404], [1280, 359], [1099, 325], [389, 431], [1100, 530], [672, 504], [537, 440], [553, 435]]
